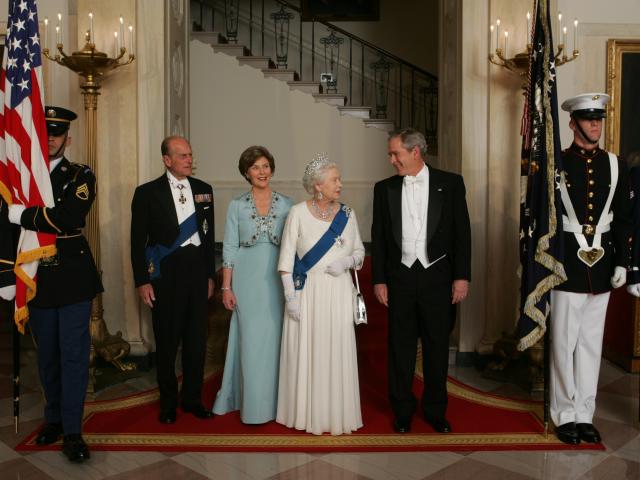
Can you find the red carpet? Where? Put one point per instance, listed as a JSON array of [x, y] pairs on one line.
[[480, 421]]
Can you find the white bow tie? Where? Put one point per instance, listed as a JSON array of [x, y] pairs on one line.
[[410, 180]]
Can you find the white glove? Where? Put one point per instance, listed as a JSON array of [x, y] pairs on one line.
[[292, 302], [15, 212], [8, 293], [619, 277], [337, 267], [634, 289]]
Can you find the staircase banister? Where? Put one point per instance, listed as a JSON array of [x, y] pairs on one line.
[[364, 42]]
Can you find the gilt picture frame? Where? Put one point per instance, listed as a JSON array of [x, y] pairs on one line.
[[623, 77]]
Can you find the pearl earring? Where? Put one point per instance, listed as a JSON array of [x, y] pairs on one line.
[[320, 196]]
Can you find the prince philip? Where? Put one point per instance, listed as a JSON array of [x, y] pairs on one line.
[[421, 252], [173, 267]]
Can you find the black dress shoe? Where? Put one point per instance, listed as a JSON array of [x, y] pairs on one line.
[[588, 433], [198, 411], [49, 434], [568, 433], [440, 426], [75, 449], [402, 425], [167, 416]]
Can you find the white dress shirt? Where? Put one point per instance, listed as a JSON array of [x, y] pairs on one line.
[[415, 204], [187, 207]]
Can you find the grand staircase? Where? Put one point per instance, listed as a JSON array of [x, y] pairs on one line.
[[368, 83], [220, 44]]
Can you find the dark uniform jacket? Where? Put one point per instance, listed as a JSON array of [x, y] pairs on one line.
[[634, 273], [154, 221], [71, 275], [448, 229], [8, 245], [588, 179]]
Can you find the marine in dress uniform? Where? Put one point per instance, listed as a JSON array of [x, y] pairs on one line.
[[67, 283], [594, 187], [178, 282]]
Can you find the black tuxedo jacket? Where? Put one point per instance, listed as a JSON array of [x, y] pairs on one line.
[[448, 229], [154, 221]]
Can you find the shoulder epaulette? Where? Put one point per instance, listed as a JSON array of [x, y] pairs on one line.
[[78, 168]]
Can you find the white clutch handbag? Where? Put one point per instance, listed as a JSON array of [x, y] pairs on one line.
[[359, 308]]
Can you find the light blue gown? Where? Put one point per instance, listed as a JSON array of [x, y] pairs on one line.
[[251, 247]]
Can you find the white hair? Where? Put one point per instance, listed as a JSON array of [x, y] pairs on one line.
[[315, 172]]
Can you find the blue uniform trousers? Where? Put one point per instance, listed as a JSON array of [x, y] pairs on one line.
[[62, 335]]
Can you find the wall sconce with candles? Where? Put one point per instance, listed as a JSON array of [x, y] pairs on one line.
[[93, 65], [519, 63]]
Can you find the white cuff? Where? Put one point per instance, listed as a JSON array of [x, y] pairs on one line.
[[15, 213]]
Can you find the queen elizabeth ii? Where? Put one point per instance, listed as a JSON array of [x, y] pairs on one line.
[[318, 387]]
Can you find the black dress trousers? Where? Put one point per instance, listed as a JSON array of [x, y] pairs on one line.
[[180, 314], [419, 307]]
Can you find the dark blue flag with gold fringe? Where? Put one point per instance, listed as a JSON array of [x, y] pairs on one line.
[[541, 259]]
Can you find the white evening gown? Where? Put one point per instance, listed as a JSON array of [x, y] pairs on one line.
[[318, 389]]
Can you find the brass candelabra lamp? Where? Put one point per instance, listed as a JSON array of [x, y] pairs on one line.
[[93, 65], [519, 63]]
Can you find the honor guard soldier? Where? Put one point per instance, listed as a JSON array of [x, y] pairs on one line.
[[594, 187], [67, 283]]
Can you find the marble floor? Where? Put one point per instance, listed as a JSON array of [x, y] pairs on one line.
[[616, 417]]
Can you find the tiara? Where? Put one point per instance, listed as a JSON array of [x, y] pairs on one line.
[[319, 162]]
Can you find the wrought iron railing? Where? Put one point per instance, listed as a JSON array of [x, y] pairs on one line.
[[343, 63]]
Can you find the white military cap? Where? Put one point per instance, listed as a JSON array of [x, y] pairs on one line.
[[587, 105]]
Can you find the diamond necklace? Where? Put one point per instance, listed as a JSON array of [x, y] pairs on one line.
[[323, 214]]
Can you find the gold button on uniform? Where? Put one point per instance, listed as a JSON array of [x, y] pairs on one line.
[[591, 219], [590, 194], [590, 206], [590, 160], [592, 182], [590, 171]]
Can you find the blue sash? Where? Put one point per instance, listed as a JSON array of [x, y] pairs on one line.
[[156, 253], [313, 256]]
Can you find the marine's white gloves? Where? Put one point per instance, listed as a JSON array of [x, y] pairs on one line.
[[634, 289], [292, 302], [619, 277], [337, 267]]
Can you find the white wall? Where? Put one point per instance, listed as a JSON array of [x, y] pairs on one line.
[[233, 107]]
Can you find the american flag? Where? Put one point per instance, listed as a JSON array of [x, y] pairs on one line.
[[540, 209], [24, 156]]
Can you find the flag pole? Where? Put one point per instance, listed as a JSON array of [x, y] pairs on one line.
[[15, 340], [547, 376]]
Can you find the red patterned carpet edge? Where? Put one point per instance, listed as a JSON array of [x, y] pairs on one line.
[[480, 421]]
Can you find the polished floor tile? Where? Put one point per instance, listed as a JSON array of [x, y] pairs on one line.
[[166, 469], [21, 469], [393, 466], [615, 468], [469, 469], [318, 469], [242, 466], [544, 465], [630, 450], [101, 465]]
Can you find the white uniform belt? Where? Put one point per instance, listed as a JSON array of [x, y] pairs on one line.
[[603, 226]]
